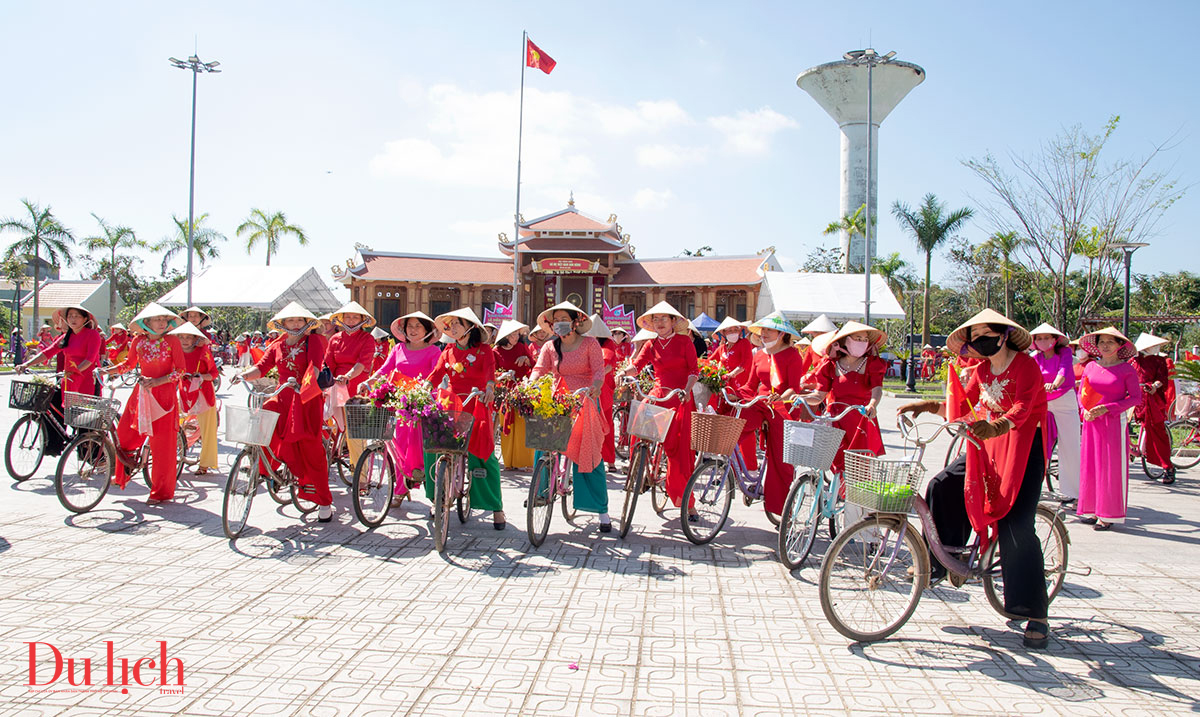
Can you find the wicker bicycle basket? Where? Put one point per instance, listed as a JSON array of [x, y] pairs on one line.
[[251, 426], [92, 413], [881, 485], [714, 433], [811, 445], [648, 421], [446, 431], [368, 422], [548, 434], [31, 396]]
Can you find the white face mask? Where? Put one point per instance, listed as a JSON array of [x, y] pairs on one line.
[[562, 328], [733, 338], [1044, 344], [856, 347], [770, 344], [1081, 355]]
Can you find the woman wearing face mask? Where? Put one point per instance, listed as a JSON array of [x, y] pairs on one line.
[[609, 350], [1154, 376], [775, 371], [297, 437], [1053, 357], [206, 419], [624, 347], [77, 354], [414, 357], [734, 353], [513, 353], [383, 347], [578, 362], [469, 364], [995, 489], [668, 349], [1082, 359], [851, 374], [1109, 388], [152, 411], [349, 357]]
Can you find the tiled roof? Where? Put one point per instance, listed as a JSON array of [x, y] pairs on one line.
[[58, 293], [568, 221], [443, 269], [693, 271], [569, 244]]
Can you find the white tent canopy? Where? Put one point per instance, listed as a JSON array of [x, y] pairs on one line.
[[803, 296], [267, 288]]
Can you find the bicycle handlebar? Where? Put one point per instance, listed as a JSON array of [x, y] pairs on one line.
[[909, 431], [290, 383], [850, 408], [740, 405], [631, 381]]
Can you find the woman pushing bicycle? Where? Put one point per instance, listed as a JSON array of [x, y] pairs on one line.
[[995, 489], [77, 354], [196, 394]]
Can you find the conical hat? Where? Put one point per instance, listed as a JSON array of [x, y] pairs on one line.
[[644, 335], [397, 327], [466, 314], [509, 326], [804, 341], [378, 333], [60, 316], [292, 311], [820, 325], [187, 328], [543, 318], [536, 331], [729, 323], [205, 322], [821, 344], [1087, 342], [662, 307], [1149, 341], [599, 329], [774, 320], [958, 338], [152, 310], [353, 308], [117, 327]]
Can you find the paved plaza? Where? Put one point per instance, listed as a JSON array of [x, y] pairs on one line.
[[299, 618]]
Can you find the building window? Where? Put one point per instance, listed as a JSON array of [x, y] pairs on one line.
[[731, 303], [634, 301], [496, 296], [683, 301], [443, 301], [391, 302]]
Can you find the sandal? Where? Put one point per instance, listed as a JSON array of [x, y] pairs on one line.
[[1088, 521], [1101, 525], [1037, 635], [1168, 478]]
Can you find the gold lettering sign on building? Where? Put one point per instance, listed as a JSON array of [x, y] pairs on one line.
[[566, 266]]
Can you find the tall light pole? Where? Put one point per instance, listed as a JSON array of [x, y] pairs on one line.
[[911, 373], [194, 64], [1128, 247]]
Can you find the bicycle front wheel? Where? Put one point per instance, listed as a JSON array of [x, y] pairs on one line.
[[1185, 443], [658, 487], [798, 527], [341, 461], [872, 577], [239, 494], [441, 502], [84, 472], [709, 492], [374, 485], [634, 482], [25, 448], [620, 436], [1052, 535], [568, 496], [539, 506]]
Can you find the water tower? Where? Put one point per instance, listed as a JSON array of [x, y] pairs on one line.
[[845, 89]]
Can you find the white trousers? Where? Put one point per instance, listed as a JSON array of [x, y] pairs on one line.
[[1065, 412]]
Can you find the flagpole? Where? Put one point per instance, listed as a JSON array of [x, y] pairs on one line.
[[516, 302]]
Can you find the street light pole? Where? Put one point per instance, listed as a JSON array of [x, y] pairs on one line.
[[912, 359], [194, 64], [1128, 247]]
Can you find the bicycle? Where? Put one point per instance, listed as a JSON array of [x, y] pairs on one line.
[[253, 427], [26, 445], [552, 473], [187, 450], [374, 477], [648, 426], [448, 434], [1185, 442], [1136, 431], [814, 447], [88, 462], [874, 573]]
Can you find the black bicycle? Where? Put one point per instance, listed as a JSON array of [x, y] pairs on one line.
[[26, 446]]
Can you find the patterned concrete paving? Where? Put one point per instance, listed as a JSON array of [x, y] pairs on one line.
[[298, 618]]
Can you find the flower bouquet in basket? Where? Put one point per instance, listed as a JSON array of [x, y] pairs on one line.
[[713, 379], [624, 392], [412, 398]]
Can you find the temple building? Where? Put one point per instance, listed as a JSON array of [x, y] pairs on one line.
[[563, 256]]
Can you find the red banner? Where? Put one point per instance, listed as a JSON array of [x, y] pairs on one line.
[[565, 266]]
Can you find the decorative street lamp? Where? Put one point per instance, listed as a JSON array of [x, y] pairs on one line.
[[1128, 247], [912, 358], [194, 64]]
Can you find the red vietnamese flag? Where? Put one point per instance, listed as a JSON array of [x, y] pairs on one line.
[[1089, 397], [534, 57], [308, 385]]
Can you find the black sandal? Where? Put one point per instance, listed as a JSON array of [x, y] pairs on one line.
[[1101, 525], [1037, 635], [1088, 521], [1168, 478]]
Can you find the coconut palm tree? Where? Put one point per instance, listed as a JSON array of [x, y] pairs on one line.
[[852, 224], [896, 272], [930, 225], [269, 229], [110, 241], [204, 241], [41, 234], [1005, 243]]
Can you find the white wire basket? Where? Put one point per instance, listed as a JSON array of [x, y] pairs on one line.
[[248, 426], [649, 422], [88, 412], [811, 445], [881, 485]]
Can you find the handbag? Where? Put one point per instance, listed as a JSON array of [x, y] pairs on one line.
[[325, 375]]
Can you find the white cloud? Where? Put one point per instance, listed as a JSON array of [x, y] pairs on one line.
[[665, 156], [750, 133], [652, 199]]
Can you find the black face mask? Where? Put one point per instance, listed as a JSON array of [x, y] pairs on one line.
[[987, 345]]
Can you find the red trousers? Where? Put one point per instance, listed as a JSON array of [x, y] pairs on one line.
[[779, 474], [681, 460], [1155, 443], [307, 461], [609, 449], [164, 433]]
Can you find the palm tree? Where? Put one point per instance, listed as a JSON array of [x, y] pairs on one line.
[[896, 272], [13, 269], [930, 225], [41, 234], [269, 229], [204, 241], [852, 224], [113, 238], [1005, 243]]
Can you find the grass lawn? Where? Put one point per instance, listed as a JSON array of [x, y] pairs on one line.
[[934, 389]]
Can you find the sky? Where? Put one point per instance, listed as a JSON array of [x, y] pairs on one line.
[[394, 124]]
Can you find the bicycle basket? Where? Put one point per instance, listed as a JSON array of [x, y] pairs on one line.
[[367, 422], [446, 431], [714, 433], [31, 396], [881, 485], [252, 427], [811, 445], [649, 421], [263, 385], [548, 434], [92, 413]]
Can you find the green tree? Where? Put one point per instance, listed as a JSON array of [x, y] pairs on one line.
[[110, 241], [269, 229], [1005, 244], [930, 225], [41, 234], [853, 225], [823, 261], [204, 241], [706, 249], [897, 272], [13, 269]]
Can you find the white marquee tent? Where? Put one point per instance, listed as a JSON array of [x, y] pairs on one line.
[[803, 296], [267, 288]]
